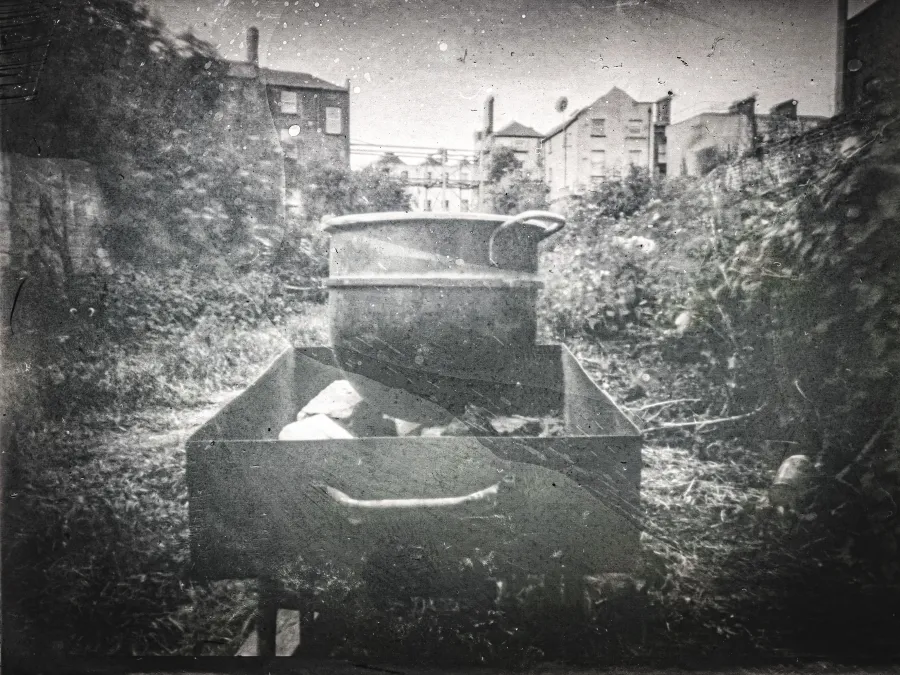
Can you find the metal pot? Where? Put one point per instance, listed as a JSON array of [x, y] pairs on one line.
[[433, 322], [376, 244], [438, 293]]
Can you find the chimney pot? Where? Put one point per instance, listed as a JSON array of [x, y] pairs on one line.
[[253, 45]]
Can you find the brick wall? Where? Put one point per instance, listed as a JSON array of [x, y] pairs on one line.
[[781, 161]]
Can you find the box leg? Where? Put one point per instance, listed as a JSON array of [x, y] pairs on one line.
[[267, 617]]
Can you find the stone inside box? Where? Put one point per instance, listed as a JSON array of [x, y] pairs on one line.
[[340, 411]]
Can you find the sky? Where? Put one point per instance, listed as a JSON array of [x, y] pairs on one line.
[[420, 70]]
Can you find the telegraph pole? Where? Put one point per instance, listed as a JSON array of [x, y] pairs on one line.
[[443, 178]]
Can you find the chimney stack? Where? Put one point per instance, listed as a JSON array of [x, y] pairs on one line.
[[489, 116], [253, 45]]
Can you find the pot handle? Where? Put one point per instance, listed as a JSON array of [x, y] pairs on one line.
[[346, 500], [558, 222]]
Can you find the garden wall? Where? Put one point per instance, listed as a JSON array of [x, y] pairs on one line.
[[780, 162], [55, 211]]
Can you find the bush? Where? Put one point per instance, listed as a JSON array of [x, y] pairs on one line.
[[615, 198], [607, 275], [516, 192], [328, 189], [133, 338]]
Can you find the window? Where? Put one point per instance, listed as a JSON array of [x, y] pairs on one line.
[[598, 127], [428, 177], [635, 127], [550, 174], [634, 157], [333, 120], [428, 205], [289, 102], [521, 144], [661, 151], [446, 205], [464, 204], [549, 147], [404, 175], [598, 163]]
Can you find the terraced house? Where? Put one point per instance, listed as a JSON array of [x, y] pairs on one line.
[[603, 140], [311, 116]]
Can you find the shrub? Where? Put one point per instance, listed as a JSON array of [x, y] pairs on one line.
[[615, 198], [133, 338], [516, 192]]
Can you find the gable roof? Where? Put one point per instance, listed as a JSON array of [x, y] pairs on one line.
[[575, 115], [279, 78], [390, 158], [564, 125], [580, 111], [519, 130], [284, 78]]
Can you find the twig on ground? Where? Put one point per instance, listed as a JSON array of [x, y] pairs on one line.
[[686, 492], [867, 448], [662, 403], [700, 423]]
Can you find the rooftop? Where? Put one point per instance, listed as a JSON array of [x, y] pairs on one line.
[[519, 130], [281, 78], [614, 92]]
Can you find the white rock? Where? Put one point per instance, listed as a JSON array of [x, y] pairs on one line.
[[405, 428], [314, 428], [338, 400]]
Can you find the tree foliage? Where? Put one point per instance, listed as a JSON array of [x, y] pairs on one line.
[[121, 92], [516, 192], [329, 189], [502, 162]]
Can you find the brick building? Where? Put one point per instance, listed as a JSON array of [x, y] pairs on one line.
[[603, 140], [524, 141], [871, 48], [311, 116], [436, 184]]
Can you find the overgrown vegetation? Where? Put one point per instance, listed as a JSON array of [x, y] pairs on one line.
[[736, 326], [779, 301], [509, 188], [146, 110]]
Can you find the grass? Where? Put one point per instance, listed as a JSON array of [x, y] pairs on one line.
[[97, 518]]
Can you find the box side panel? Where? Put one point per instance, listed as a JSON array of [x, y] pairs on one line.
[[260, 411], [260, 507], [606, 468], [589, 410]]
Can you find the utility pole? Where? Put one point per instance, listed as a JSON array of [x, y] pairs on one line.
[[444, 178]]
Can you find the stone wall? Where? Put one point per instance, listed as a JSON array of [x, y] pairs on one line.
[[55, 213], [781, 161]]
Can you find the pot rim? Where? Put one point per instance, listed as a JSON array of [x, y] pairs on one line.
[[361, 220]]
